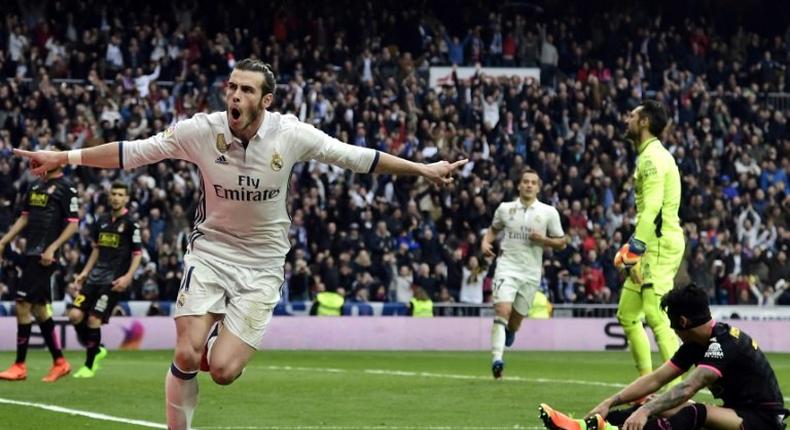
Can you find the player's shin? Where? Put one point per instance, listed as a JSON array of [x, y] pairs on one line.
[[638, 343], [629, 314], [181, 392], [22, 341], [92, 344], [498, 338], [81, 328], [48, 333], [691, 418], [618, 416]]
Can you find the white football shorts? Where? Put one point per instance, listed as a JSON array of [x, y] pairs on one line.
[[511, 289], [246, 296]]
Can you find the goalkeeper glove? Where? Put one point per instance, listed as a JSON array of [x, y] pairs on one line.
[[628, 258], [629, 254]]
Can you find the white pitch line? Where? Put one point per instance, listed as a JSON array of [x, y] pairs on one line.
[[407, 373], [385, 372], [87, 414]]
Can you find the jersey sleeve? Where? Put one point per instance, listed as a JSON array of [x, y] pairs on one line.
[[177, 142], [137, 241], [26, 203], [554, 228], [95, 232], [317, 145], [650, 175], [498, 222], [683, 358], [70, 204]]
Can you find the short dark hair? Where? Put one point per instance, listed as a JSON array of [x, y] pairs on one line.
[[529, 170], [255, 65], [689, 301], [656, 114], [118, 185]]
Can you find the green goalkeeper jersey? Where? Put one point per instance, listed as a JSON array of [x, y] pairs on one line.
[[657, 183]]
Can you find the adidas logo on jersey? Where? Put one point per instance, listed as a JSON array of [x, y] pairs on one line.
[[221, 160]]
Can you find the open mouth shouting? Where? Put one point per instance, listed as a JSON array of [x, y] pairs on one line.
[[235, 116]]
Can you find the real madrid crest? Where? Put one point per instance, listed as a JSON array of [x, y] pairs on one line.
[[222, 146], [277, 162], [512, 213]]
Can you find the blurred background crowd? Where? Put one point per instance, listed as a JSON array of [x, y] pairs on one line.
[[86, 72]]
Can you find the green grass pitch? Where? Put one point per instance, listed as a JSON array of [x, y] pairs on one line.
[[312, 390]]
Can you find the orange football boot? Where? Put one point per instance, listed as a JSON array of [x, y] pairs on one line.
[[17, 372], [58, 370]]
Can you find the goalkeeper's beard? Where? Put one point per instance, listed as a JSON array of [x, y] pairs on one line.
[[632, 136]]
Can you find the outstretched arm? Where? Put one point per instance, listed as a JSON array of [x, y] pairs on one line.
[[176, 142], [105, 156], [320, 146], [440, 172]]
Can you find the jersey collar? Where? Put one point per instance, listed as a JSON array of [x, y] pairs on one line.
[[267, 120], [124, 211], [259, 134], [645, 144], [521, 203]]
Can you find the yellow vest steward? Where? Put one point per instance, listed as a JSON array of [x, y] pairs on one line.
[[329, 303], [422, 308], [541, 307]]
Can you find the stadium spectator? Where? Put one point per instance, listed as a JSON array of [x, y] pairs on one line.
[[421, 305], [329, 303], [729, 137], [472, 284]]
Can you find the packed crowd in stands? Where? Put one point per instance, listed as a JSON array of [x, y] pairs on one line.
[[83, 73]]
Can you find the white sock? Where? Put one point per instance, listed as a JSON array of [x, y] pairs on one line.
[[181, 398], [498, 338]]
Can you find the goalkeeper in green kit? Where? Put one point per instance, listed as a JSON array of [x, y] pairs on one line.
[[652, 255]]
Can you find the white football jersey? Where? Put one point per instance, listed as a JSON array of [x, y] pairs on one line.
[[520, 257], [241, 218]]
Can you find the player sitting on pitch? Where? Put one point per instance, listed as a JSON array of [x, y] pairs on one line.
[[728, 362]]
